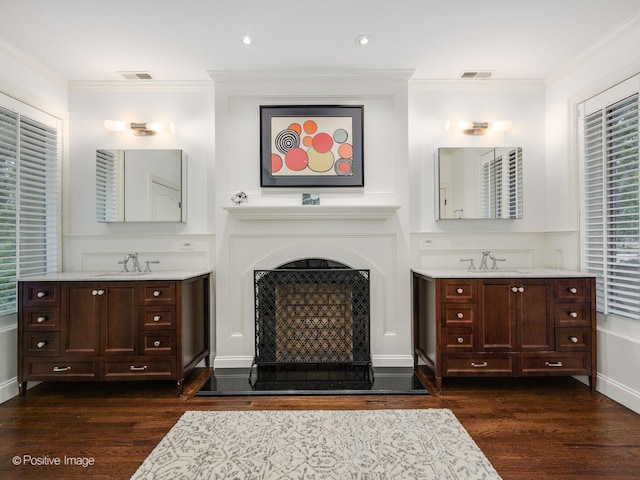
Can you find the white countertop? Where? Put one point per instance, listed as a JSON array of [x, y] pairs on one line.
[[502, 273], [109, 276]]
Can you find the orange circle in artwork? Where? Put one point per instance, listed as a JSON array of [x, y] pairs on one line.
[[296, 159], [306, 141], [295, 127], [322, 142], [310, 126], [276, 163], [345, 150]]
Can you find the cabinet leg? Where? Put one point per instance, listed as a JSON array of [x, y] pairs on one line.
[[180, 385], [22, 389], [592, 382], [438, 385], [207, 361]]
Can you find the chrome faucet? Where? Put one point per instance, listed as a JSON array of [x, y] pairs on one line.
[[136, 263], [483, 262]]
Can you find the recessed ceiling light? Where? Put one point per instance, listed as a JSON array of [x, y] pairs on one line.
[[248, 39], [363, 39]]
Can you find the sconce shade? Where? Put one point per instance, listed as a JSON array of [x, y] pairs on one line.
[[478, 128], [139, 129]]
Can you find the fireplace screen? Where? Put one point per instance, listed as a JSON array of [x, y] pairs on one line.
[[312, 316]]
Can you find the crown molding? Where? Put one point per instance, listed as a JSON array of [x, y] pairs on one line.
[[143, 86], [30, 62]]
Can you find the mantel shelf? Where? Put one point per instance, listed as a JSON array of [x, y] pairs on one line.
[[312, 212]]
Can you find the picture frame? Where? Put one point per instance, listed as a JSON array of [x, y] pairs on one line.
[[311, 146]]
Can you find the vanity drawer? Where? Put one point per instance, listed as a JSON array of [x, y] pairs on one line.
[[139, 368], [573, 289], [459, 315], [60, 370], [479, 365], [156, 343], [158, 318], [573, 339], [559, 363], [40, 294], [41, 343], [459, 291], [573, 314], [458, 340], [41, 319], [158, 293]]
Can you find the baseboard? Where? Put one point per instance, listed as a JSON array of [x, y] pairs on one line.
[[8, 389], [243, 361], [620, 393]]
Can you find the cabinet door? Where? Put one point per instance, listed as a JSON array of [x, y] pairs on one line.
[[535, 315], [119, 311], [80, 319], [496, 323]]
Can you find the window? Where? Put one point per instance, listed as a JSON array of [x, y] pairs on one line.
[[29, 198], [611, 197]]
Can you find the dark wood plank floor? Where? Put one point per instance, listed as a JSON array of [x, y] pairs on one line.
[[534, 429]]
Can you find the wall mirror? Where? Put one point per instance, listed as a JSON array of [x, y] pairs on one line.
[[475, 183], [140, 186]]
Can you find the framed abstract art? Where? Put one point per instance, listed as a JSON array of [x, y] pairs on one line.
[[311, 146]]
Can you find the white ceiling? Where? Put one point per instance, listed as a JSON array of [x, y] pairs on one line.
[[90, 40]]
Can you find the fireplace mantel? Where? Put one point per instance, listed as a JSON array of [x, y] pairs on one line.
[[312, 212]]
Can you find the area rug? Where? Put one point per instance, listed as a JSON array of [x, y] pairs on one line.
[[317, 444]]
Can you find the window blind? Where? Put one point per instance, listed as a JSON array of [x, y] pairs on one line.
[[29, 201], [611, 198], [515, 183], [106, 185]]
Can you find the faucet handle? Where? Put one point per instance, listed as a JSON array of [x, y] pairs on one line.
[[494, 266], [470, 260], [147, 269], [124, 264]]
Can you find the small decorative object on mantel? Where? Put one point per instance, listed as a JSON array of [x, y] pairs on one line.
[[310, 199], [239, 198], [311, 146]]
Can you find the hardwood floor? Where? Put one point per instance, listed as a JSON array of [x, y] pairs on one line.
[[534, 429]]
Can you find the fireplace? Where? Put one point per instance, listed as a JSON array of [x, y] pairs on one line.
[[311, 315]]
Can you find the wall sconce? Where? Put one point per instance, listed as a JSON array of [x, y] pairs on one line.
[[139, 129], [478, 128]]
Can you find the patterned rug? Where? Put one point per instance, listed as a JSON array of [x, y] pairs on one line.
[[317, 444]]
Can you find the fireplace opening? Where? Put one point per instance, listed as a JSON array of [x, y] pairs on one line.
[[312, 322]]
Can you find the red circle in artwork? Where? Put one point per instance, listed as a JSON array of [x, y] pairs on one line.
[[276, 163], [345, 167], [322, 143], [296, 159]]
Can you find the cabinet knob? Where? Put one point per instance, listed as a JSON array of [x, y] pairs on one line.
[[41, 294], [157, 343], [41, 344], [60, 369], [573, 290], [573, 339], [100, 292], [460, 340], [156, 318], [573, 314], [460, 315], [41, 319], [156, 293], [94, 292], [521, 289], [514, 289]]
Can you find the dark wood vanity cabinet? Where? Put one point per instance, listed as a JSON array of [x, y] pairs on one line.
[[114, 330], [505, 326]]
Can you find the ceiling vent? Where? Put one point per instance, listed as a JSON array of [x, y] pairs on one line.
[[477, 74], [136, 75]]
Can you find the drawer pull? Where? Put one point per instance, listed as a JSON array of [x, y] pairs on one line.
[[521, 289], [94, 292], [553, 364], [61, 369], [514, 289], [460, 340], [41, 294], [573, 314], [156, 293], [41, 319], [133, 368], [157, 343], [573, 339], [157, 318], [460, 315], [573, 290], [479, 365], [459, 290], [100, 292], [41, 344]]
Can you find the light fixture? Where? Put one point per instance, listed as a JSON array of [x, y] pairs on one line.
[[364, 39], [139, 129], [478, 128]]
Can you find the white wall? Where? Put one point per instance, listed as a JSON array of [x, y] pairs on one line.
[[615, 59]]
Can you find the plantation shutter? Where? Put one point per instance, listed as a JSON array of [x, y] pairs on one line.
[[515, 183], [611, 199], [106, 186], [8, 209]]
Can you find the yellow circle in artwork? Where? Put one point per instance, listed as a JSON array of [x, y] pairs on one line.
[[320, 162]]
